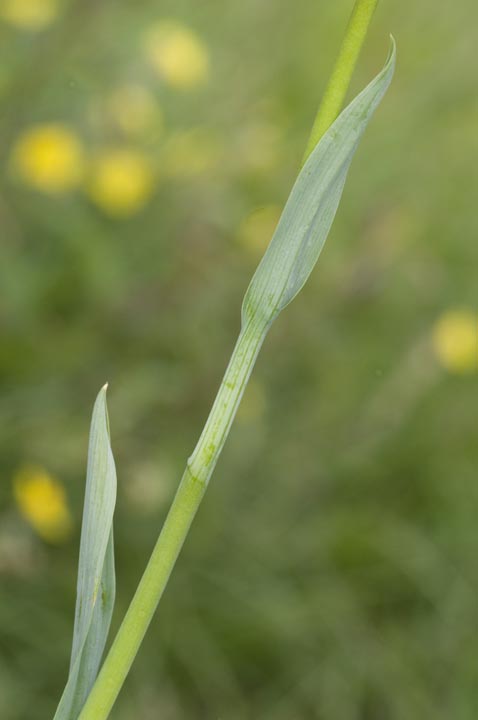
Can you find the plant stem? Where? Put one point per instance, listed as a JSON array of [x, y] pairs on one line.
[[186, 502], [203, 460], [339, 81]]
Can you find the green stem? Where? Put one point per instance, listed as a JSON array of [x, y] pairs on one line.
[[336, 90], [203, 460], [176, 527]]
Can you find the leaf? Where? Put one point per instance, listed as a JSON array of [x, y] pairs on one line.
[[311, 207], [96, 575]]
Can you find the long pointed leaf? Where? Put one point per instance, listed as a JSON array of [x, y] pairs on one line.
[[311, 207], [96, 575]]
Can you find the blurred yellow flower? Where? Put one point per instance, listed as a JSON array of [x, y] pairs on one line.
[[256, 230], [191, 153], [455, 341], [134, 110], [49, 158], [177, 55], [29, 14], [121, 181], [42, 502]]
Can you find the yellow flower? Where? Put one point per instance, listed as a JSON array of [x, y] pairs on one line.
[[177, 55], [42, 502], [134, 110], [29, 14], [455, 341], [49, 158], [121, 181], [256, 230]]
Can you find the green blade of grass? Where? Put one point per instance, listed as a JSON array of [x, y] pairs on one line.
[[96, 574], [311, 207], [339, 81], [288, 261]]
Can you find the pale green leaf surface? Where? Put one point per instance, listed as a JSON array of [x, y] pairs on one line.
[[96, 574], [311, 207]]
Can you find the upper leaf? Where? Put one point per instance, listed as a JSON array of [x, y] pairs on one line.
[[96, 576], [311, 207]]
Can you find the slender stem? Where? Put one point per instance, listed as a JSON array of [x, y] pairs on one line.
[[186, 502], [203, 460], [336, 90]]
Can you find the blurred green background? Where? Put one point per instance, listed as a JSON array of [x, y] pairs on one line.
[[146, 150]]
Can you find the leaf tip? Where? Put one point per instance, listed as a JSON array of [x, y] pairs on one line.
[[392, 54]]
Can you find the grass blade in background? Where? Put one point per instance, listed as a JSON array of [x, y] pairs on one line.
[[96, 574]]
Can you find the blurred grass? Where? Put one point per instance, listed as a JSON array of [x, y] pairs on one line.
[[352, 594]]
